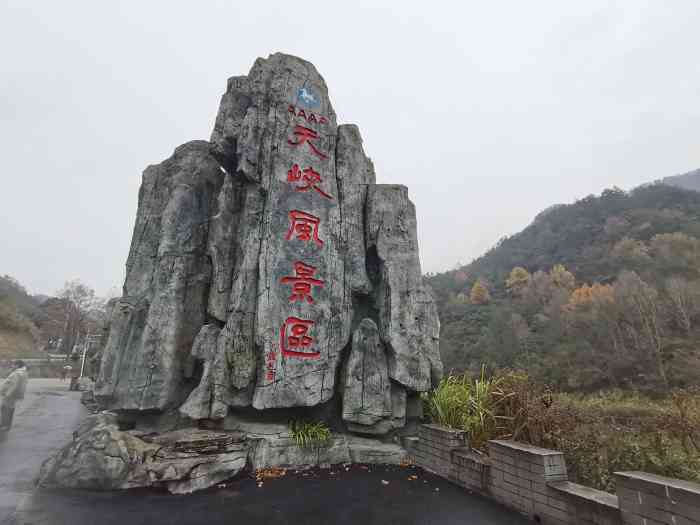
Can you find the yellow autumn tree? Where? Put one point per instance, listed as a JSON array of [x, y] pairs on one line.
[[517, 280], [562, 278], [587, 295], [581, 296], [479, 293]]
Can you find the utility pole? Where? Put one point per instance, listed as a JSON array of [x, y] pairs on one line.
[[86, 346]]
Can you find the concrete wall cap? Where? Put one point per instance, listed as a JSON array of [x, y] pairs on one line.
[[587, 493], [688, 486], [524, 447], [446, 430]]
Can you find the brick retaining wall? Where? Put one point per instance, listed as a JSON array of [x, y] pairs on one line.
[[534, 481]]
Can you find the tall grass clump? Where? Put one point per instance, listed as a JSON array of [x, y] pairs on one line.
[[471, 405], [310, 434], [447, 403]]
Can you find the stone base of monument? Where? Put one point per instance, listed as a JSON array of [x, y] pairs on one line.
[[103, 457], [272, 446], [281, 451]]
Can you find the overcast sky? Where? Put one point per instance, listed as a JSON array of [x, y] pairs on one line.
[[488, 111]]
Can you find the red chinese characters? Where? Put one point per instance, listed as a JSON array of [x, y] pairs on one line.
[[306, 136], [310, 177], [270, 365], [297, 337], [294, 339], [308, 116], [302, 282], [304, 226]]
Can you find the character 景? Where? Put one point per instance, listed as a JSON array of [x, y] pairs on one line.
[[302, 282]]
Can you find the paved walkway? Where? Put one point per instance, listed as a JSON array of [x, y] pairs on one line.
[[43, 421], [360, 495]]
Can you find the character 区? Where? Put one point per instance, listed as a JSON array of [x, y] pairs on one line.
[[294, 339]]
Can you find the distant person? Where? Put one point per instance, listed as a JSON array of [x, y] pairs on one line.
[[11, 391]]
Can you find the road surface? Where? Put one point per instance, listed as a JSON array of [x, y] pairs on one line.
[[364, 495]]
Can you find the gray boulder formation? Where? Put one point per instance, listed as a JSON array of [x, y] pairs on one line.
[[267, 263], [367, 398], [168, 276], [103, 457]]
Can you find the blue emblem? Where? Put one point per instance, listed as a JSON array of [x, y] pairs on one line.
[[307, 98]]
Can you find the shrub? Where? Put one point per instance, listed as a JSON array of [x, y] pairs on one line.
[[308, 434]]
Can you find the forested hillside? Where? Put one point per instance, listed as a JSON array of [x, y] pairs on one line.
[[688, 181], [19, 316], [31, 325], [601, 293]]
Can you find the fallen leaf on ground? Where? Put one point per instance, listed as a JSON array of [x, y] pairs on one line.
[[269, 473]]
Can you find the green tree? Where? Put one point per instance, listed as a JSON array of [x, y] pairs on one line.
[[676, 253]]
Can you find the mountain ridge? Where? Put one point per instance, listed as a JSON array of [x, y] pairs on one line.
[[596, 239]]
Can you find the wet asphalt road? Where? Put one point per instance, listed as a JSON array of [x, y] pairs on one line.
[[358, 495], [43, 421]]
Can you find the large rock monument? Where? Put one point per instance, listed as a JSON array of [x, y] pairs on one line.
[[268, 270]]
